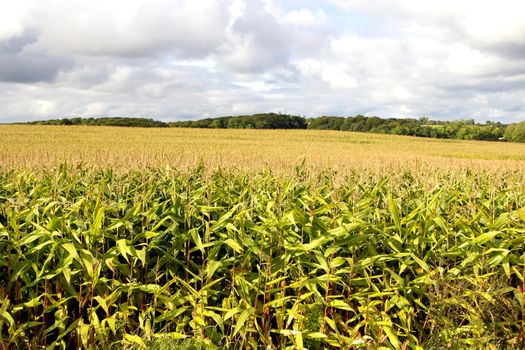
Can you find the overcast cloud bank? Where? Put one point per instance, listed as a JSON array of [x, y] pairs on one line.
[[180, 59]]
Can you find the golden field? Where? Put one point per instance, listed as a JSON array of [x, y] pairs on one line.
[[23, 146]]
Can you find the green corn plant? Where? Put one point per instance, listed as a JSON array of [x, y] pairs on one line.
[[226, 259]]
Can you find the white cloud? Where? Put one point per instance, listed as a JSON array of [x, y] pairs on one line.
[[466, 61], [494, 23], [261, 86], [483, 23], [305, 17], [12, 17], [401, 93], [174, 59], [338, 77], [134, 28]]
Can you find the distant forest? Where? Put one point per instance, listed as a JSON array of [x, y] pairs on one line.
[[422, 127], [130, 122], [254, 121]]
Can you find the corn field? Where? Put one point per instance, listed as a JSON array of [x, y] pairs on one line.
[[163, 259]]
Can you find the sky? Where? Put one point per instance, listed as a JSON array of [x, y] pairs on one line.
[[190, 59]]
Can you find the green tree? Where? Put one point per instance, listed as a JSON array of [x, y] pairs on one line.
[[515, 132]]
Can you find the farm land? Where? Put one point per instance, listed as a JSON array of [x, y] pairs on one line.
[[258, 239]]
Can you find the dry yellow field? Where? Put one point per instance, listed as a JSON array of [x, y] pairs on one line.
[[24, 146]]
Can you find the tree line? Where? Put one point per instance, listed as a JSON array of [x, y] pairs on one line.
[[254, 121], [130, 122], [422, 127]]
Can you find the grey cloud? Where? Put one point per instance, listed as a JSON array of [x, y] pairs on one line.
[[261, 41], [20, 64], [487, 85], [257, 41], [85, 75], [16, 44], [511, 50], [29, 69]]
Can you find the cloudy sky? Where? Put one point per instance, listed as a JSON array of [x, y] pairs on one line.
[[188, 59]]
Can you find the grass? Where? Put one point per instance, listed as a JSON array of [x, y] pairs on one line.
[[235, 239]]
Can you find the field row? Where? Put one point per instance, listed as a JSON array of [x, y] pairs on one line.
[[163, 259], [45, 147]]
